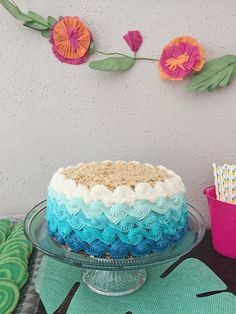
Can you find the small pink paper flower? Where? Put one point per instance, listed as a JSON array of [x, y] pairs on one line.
[[134, 40], [70, 40], [180, 57]]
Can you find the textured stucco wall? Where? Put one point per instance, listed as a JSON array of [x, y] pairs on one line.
[[53, 114]]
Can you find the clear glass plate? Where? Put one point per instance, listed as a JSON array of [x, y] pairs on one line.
[[110, 276]]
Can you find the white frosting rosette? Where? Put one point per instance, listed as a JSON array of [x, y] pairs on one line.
[[121, 194]]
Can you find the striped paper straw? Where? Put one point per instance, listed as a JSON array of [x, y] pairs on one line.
[[233, 171], [225, 182], [216, 181]]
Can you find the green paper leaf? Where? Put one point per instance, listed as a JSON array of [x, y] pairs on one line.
[[113, 64], [91, 47], [225, 81], [218, 72], [52, 20], [11, 8], [15, 11], [37, 18], [37, 26], [45, 33], [159, 295]]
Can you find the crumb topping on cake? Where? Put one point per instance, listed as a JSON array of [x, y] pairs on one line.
[[112, 174]]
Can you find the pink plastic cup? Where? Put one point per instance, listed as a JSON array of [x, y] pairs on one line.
[[223, 224]]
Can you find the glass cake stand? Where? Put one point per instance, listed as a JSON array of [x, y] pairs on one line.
[[107, 276]]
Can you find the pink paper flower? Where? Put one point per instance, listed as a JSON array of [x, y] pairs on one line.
[[180, 57], [134, 40]]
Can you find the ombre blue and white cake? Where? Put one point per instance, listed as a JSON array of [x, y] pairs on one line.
[[116, 209]]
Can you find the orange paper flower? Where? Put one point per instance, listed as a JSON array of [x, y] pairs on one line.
[[70, 40], [180, 57]]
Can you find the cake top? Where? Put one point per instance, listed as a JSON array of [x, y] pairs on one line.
[[116, 182], [114, 174]]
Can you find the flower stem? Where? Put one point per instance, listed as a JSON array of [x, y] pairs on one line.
[[121, 54], [151, 59], [111, 53]]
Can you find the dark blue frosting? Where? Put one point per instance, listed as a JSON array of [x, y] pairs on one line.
[[74, 242], [118, 249]]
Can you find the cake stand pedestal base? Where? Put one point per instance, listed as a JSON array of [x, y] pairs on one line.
[[114, 283]]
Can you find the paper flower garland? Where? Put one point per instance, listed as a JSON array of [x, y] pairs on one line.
[[72, 43]]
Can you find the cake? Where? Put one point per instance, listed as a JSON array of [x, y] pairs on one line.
[[116, 209]]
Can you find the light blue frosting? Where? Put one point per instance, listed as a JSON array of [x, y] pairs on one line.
[[98, 235], [117, 212]]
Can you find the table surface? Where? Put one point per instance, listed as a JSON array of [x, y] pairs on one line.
[[224, 268]]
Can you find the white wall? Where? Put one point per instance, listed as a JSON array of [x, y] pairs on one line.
[[53, 114]]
